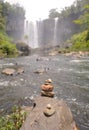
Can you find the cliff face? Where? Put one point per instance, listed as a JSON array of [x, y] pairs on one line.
[[15, 17], [59, 118], [15, 29], [52, 32]]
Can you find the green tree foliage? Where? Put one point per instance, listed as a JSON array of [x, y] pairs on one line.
[[79, 43], [11, 21], [6, 47], [2, 20], [84, 18], [78, 16], [76, 8], [53, 13]]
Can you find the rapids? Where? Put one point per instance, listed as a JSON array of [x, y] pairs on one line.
[[70, 76]]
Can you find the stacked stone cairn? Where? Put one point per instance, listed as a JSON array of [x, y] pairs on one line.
[[47, 88]]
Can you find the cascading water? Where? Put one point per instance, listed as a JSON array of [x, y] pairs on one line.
[[70, 77], [26, 32], [35, 35], [32, 34], [55, 30], [46, 32]]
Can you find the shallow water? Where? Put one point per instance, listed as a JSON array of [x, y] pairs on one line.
[[70, 77]]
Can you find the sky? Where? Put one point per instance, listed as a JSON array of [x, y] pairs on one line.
[[39, 9]]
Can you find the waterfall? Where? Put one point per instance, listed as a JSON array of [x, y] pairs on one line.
[[43, 33], [31, 31], [31, 34], [35, 35], [55, 31], [26, 32]]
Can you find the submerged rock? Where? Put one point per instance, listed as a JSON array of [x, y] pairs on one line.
[[59, 118]]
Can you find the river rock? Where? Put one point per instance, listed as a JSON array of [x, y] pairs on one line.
[[20, 71], [8, 71], [12, 71], [47, 87], [48, 81], [47, 94], [40, 71], [62, 119]]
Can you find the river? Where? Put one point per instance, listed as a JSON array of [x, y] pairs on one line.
[[70, 76]]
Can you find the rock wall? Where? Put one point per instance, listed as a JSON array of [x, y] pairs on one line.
[[52, 32]]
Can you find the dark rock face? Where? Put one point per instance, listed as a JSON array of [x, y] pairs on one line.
[[60, 116], [24, 48]]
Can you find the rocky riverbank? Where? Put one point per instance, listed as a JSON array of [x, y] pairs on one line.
[[70, 78], [49, 114]]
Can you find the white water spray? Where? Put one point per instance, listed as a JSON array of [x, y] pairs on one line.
[[35, 35], [55, 31], [31, 31]]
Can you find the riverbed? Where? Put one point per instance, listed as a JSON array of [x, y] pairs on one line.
[[70, 76]]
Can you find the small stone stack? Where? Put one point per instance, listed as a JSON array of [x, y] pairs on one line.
[[49, 110], [47, 89]]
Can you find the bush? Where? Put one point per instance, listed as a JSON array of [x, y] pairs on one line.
[[6, 47], [13, 121], [79, 42]]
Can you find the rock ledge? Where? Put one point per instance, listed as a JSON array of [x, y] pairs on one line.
[[62, 119]]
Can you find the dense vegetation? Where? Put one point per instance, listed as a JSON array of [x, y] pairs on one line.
[[79, 42], [11, 19], [6, 47], [78, 16], [13, 121]]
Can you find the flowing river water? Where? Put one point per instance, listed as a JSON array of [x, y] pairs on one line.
[[70, 76]]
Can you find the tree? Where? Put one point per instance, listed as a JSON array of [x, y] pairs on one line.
[[2, 19], [83, 20], [53, 13]]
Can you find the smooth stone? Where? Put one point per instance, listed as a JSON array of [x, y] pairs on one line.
[[47, 87], [47, 94], [20, 70], [8, 71], [49, 112]]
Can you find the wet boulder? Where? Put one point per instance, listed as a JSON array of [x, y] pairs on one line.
[[12, 71], [56, 116], [23, 48], [40, 71], [8, 71], [20, 70]]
